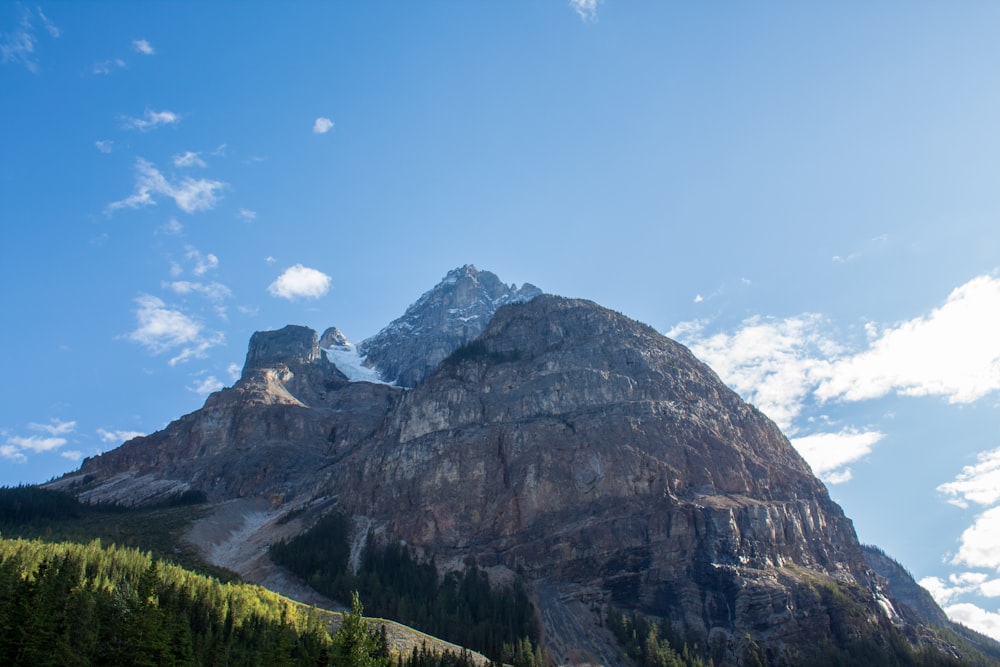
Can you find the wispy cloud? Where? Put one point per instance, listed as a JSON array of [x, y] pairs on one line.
[[322, 125], [868, 247], [104, 146], [212, 291], [171, 227], [979, 483], [189, 159], [117, 436], [300, 282], [54, 427], [783, 365], [161, 329], [830, 453], [975, 617], [772, 363], [53, 437], [201, 263], [143, 47], [247, 215], [190, 194], [18, 47], [979, 545], [964, 334], [206, 386], [37, 443], [585, 9], [151, 120], [108, 66]]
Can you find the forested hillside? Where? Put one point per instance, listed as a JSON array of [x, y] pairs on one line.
[[72, 604]]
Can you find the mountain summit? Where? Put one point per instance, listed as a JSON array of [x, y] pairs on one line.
[[442, 320], [546, 441]]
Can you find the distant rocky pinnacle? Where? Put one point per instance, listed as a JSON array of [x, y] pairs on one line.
[[442, 320], [544, 438]]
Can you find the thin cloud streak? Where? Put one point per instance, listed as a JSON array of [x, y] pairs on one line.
[[161, 329], [191, 195]]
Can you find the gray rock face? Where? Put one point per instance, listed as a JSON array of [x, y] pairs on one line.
[[332, 337], [276, 433], [550, 437], [442, 320], [590, 452]]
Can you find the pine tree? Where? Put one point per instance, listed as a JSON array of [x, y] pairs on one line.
[[354, 644]]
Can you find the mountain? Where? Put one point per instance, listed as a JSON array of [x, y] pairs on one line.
[[446, 317], [546, 441]]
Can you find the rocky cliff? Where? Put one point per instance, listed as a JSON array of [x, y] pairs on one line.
[[444, 318], [551, 440]]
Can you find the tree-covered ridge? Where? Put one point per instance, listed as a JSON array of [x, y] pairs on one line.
[[55, 516], [460, 608], [72, 604]]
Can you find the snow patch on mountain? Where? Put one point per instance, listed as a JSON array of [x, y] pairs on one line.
[[350, 363]]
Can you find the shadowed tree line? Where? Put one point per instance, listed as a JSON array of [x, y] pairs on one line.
[[461, 608]]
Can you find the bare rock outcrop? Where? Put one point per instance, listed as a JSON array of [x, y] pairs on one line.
[[444, 318], [548, 437]]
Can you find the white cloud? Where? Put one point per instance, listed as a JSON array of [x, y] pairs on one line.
[[300, 281], [869, 246], [189, 159], [977, 618], [55, 427], [780, 364], [117, 437], [207, 386], [189, 194], [698, 298], [247, 215], [979, 545], [143, 47], [161, 329], [36, 443], [234, 370], [72, 454], [105, 146], [829, 453], [957, 585], [151, 120], [108, 66], [322, 125], [979, 483], [585, 9], [13, 453], [771, 363], [964, 335], [172, 227], [19, 46], [16, 445], [212, 291], [202, 263], [270, 260]]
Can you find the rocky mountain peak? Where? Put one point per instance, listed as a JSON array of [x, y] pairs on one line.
[[443, 319], [332, 338], [290, 345]]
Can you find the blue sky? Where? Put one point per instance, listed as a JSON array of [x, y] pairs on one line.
[[804, 193]]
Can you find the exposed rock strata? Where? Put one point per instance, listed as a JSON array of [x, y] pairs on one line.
[[446, 317], [568, 443]]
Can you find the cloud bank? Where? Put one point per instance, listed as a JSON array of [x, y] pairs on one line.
[[785, 365]]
